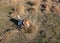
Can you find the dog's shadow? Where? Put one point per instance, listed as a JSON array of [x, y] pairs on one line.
[[13, 20]]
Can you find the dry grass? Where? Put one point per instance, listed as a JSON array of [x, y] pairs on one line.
[[56, 9], [44, 26], [48, 6], [21, 9]]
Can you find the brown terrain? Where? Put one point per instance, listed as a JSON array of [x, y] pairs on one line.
[[44, 17]]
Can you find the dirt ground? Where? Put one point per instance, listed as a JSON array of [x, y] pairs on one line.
[[44, 16]]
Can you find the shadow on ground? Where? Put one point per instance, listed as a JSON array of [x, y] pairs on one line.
[[14, 21]]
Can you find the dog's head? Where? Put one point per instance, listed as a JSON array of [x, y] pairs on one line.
[[26, 22]]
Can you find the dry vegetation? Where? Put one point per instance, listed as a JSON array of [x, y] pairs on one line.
[[44, 17]]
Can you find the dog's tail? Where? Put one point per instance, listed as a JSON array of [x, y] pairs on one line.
[[18, 17]]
